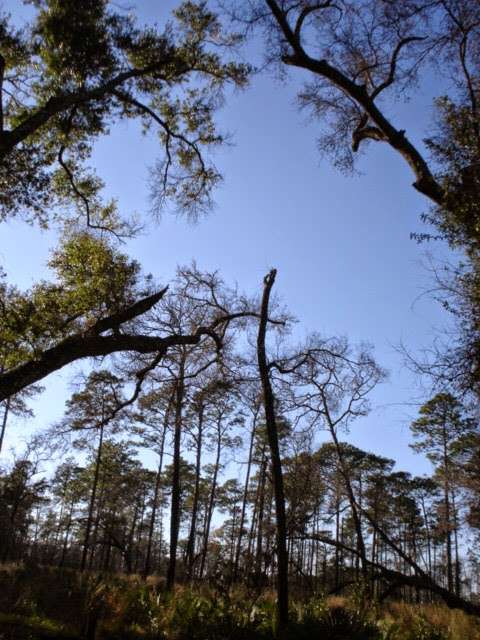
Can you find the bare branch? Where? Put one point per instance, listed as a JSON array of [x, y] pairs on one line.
[[393, 64]]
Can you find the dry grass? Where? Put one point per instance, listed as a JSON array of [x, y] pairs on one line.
[[452, 623]]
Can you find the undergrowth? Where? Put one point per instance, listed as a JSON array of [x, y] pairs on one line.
[[46, 603]]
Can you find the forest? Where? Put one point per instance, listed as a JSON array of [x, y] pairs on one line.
[[179, 456]]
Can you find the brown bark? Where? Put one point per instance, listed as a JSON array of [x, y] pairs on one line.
[[91, 344], [260, 516]]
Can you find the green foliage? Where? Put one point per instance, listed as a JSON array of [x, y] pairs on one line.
[[456, 148], [441, 422], [93, 279], [80, 67]]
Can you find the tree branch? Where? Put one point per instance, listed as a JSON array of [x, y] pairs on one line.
[[91, 344], [305, 12], [134, 310], [425, 182], [57, 104], [393, 64]]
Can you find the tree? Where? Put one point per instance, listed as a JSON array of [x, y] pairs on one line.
[[275, 460], [437, 430], [19, 494], [92, 408], [155, 409], [332, 383], [357, 57], [356, 54], [209, 410], [196, 300], [79, 68], [64, 81], [222, 419], [55, 325], [254, 406], [66, 488]]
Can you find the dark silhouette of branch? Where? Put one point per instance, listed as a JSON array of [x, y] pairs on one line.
[[382, 128]]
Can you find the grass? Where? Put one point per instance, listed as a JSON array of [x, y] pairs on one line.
[[46, 603]]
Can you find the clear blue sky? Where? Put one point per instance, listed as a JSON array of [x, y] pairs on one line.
[[341, 245]]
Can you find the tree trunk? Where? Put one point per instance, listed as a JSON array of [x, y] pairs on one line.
[[353, 505], [244, 503], [276, 464], [151, 527], [211, 501], [86, 542], [96, 523], [67, 532], [446, 497], [261, 507], [458, 582], [190, 551], [176, 489]]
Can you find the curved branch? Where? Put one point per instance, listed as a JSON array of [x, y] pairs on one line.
[[71, 178], [393, 64], [306, 11], [366, 133], [425, 182]]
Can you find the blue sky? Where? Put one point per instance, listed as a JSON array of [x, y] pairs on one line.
[[346, 264]]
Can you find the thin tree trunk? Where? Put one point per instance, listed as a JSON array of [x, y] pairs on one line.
[[448, 530], [244, 502], [276, 464], [176, 489], [94, 536], [67, 532], [86, 541], [458, 584], [139, 533], [190, 551], [253, 525], [261, 506], [151, 527], [128, 549], [211, 502], [352, 501], [337, 532]]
